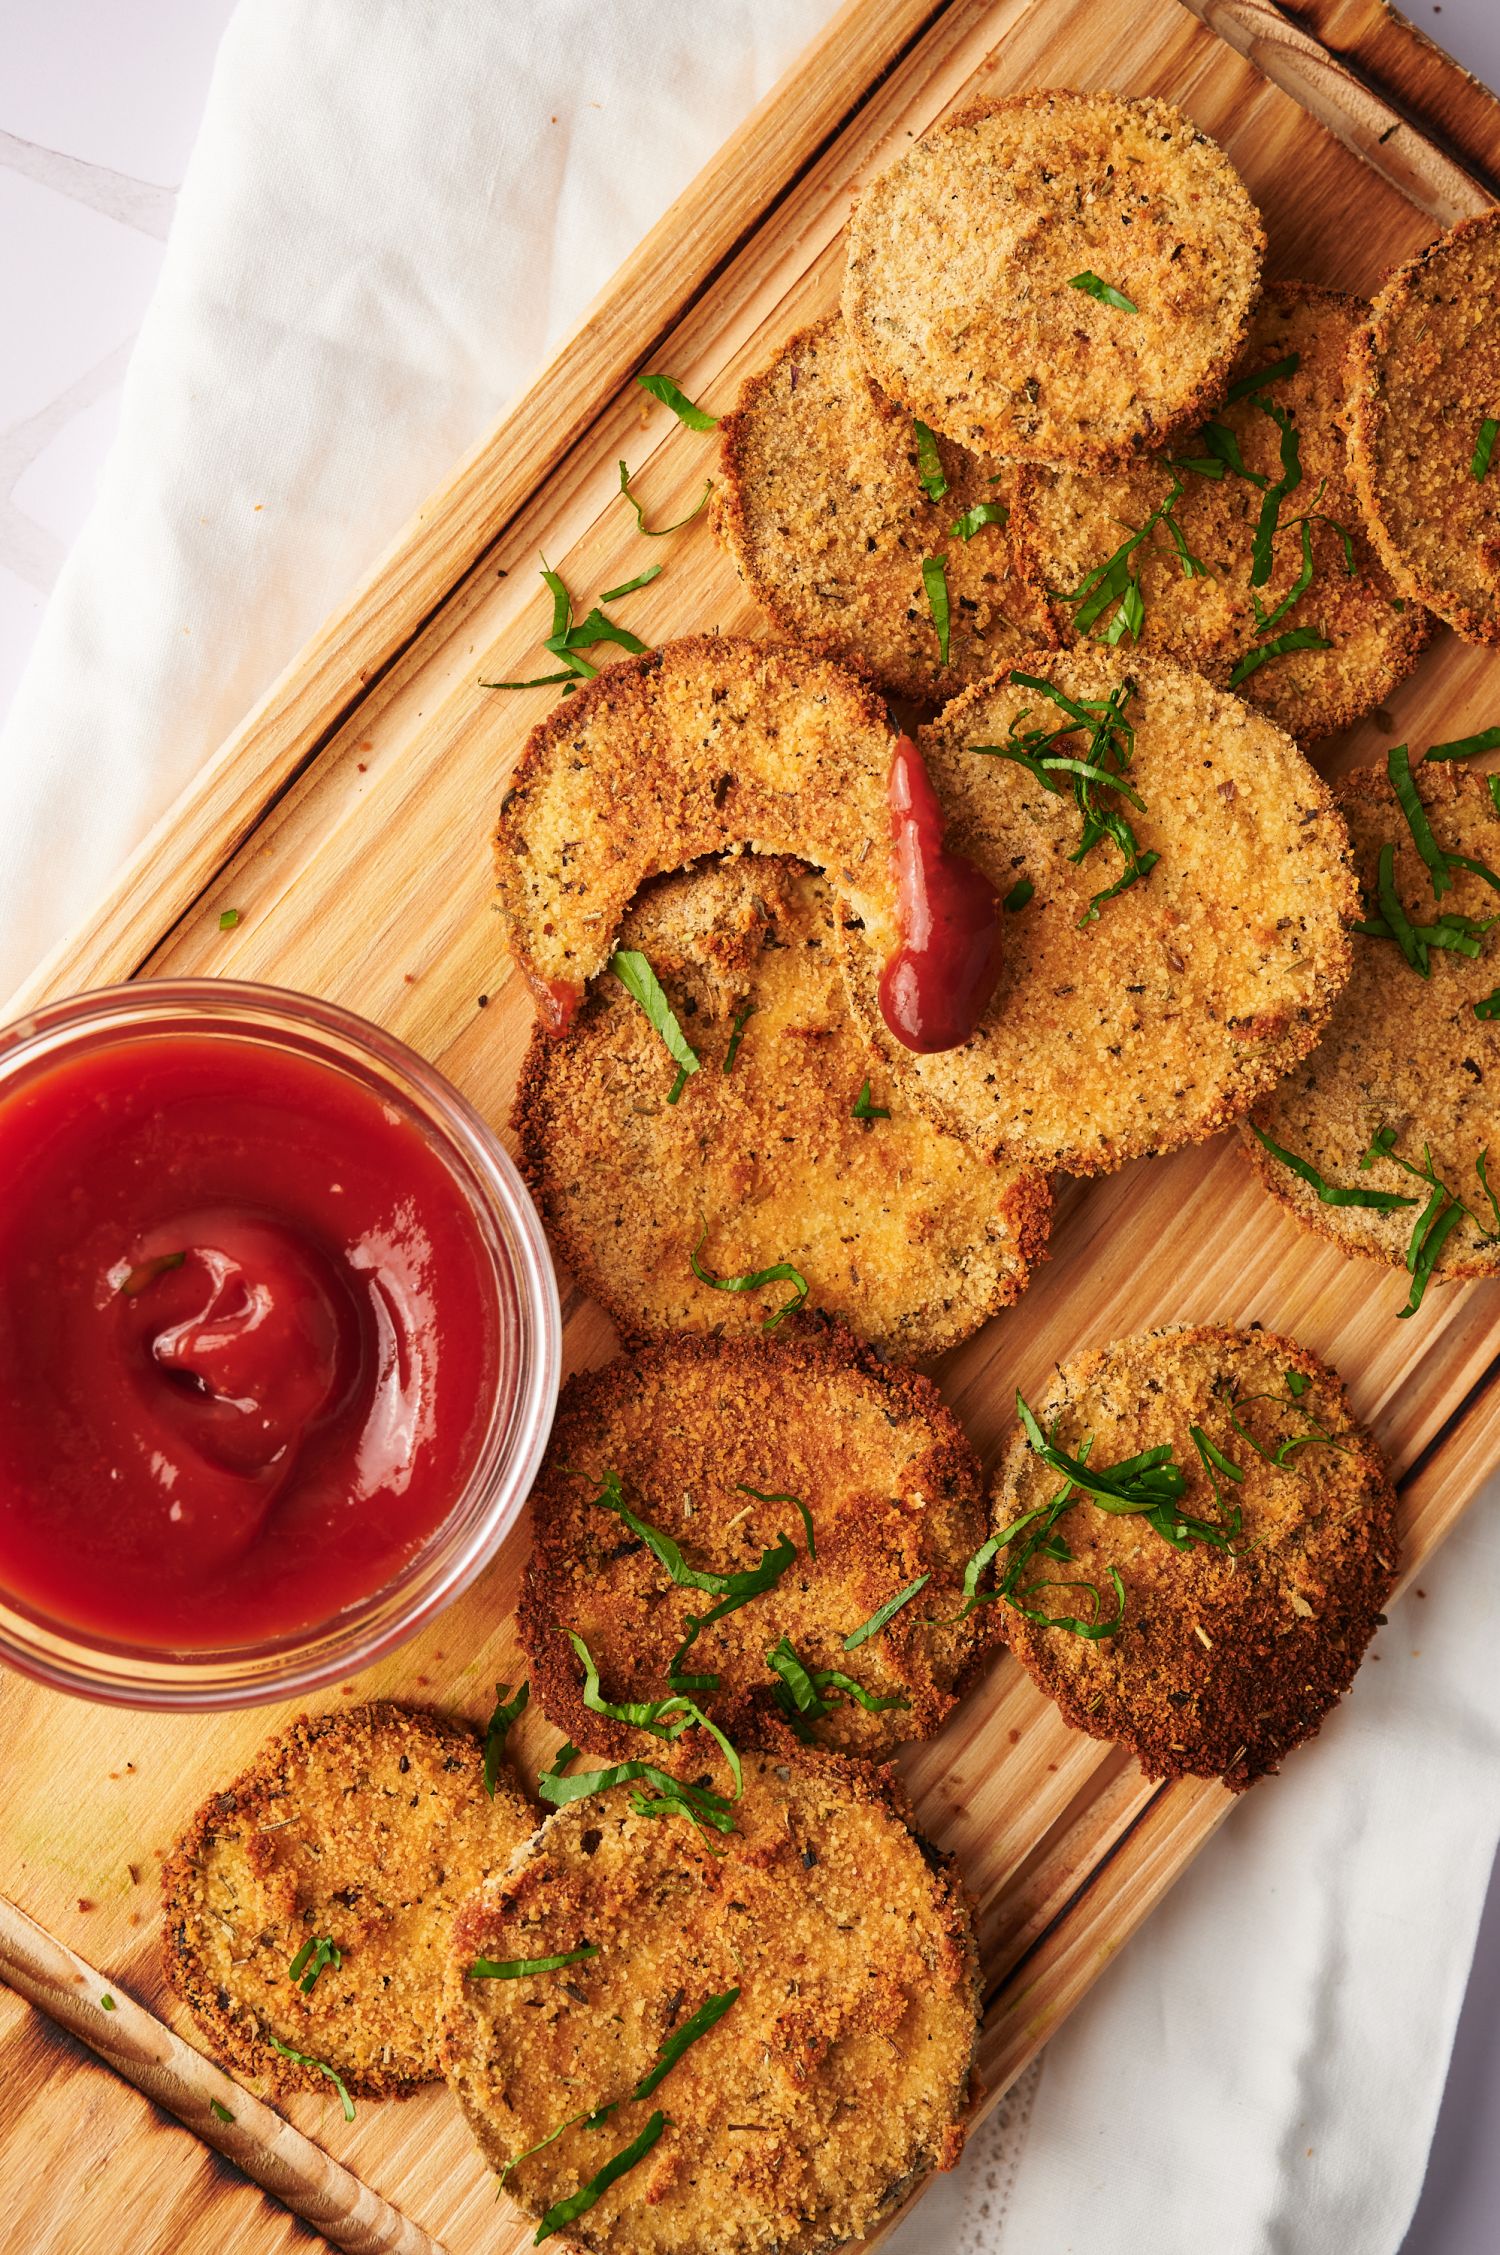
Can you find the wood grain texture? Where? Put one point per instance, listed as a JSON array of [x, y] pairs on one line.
[[351, 833], [1396, 59]]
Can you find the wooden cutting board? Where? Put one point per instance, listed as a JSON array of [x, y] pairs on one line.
[[347, 822]]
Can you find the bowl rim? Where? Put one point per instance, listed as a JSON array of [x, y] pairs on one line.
[[511, 1451]]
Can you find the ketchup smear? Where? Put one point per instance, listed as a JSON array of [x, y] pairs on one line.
[[248, 1343], [943, 971]]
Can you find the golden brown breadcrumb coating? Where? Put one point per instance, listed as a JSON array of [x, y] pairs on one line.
[[1227, 1657], [367, 1827], [893, 1490], [1424, 378], [707, 745], [1190, 994], [1067, 524], [820, 505], [907, 1235], [1401, 1051], [835, 2080], [958, 292]]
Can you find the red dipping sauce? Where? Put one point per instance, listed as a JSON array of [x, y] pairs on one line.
[[249, 1341], [943, 970]]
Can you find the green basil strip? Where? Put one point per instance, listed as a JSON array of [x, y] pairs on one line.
[[931, 476], [1409, 799], [1018, 896], [565, 2212], [1484, 447], [864, 1109], [1105, 292], [1224, 447], [708, 2015], [315, 1953], [737, 1034], [305, 2059], [1464, 747], [1287, 483], [653, 532], [1331, 1194], [672, 395], [884, 1613], [639, 1714], [1142, 1483], [935, 581], [1299, 586], [642, 579], [1263, 376], [1422, 1258], [974, 520], [746, 1582], [640, 982], [1096, 1630], [1489, 1007], [741, 1489], [516, 1968], [1402, 930], [1295, 638], [781, 1272], [507, 1711]]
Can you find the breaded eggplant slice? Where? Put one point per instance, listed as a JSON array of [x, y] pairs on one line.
[[979, 262], [707, 745], [1403, 1052], [1230, 1653], [1424, 390], [365, 1829], [832, 2083], [1200, 607], [1189, 994], [788, 1144], [890, 1484], [820, 505]]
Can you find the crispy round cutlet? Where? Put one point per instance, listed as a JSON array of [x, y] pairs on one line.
[[707, 745], [1424, 399], [364, 1830], [1070, 525], [687, 1429], [963, 295], [820, 504], [1229, 1653], [795, 1148], [1189, 994], [1402, 1052], [834, 2080]]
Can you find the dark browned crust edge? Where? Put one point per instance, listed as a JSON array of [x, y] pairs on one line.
[[234, 2034], [1368, 783], [556, 1679], [1363, 386], [1254, 1753], [624, 683], [1209, 393]]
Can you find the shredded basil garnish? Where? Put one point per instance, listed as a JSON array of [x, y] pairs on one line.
[[931, 476], [885, 1613], [802, 1692], [864, 1109], [1092, 287], [1484, 447], [640, 982], [812, 1547], [565, 2212], [708, 2015], [1287, 483], [673, 396], [305, 2059], [219, 2111], [781, 1272], [935, 581], [319, 1950], [1489, 1007], [1464, 747], [515, 1968], [737, 1034], [1295, 638], [566, 640], [1020, 893], [1263, 376], [228, 918], [653, 532], [974, 520], [1111, 744], [1439, 1217], [1330, 1193], [1408, 798], [497, 1730]]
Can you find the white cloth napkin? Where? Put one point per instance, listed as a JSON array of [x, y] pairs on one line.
[[395, 208]]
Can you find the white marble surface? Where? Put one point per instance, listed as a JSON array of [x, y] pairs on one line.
[[99, 103]]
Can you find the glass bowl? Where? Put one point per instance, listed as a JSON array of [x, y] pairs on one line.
[[519, 1268]]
